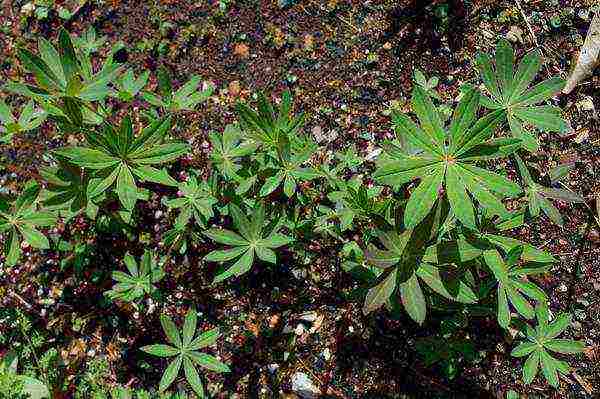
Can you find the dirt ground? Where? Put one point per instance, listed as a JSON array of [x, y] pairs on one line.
[[346, 62]]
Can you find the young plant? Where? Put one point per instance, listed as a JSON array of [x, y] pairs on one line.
[[254, 239], [119, 159], [20, 222], [186, 98], [509, 91], [447, 159], [65, 81], [196, 201], [228, 150], [139, 282], [128, 86], [29, 119], [541, 341], [184, 347], [511, 286], [539, 197]]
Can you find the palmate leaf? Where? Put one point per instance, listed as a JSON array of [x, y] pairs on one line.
[[64, 76], [20, 221], [539, 196], [542, 341], [447, 159], [185, 352], [195, 201], [228, 150], [140, 280], [509, 90], [407, 261], [119, 160], [251, 241], [511, 288]]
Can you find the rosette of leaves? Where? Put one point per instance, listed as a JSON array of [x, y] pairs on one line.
[[228, 150], [139, 281], [119, 159], [184, 347], [195, 202], [30, 118], [407, 261], [276, 128], [256, 238], [20, 221], [186, 98], [539, 197], [541, 342], [510, 90], [65, 80], [447, 159], [511, 286]]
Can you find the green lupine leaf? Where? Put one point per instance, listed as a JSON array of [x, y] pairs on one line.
[[464, 115], [131, 264], [505, 59], [423, 198], [33, 237], [485, 67], [160, 350], [242, 223], [559, 325], [68, 57], [413, 299], [266, 255], [530, 368], [405, 126], [457, 251], [150, 174], [170, 374], [495, 182], [523, 307], [429, 118], [480, 132], [43, 74], [205, 339], [126, 188], [550, 211], [548, 368], [544, 117], [450, 288], [97, 186], [241, 266], [170, 330], [481, 193], [380, 294], [192, 377], [276, 240], [564, 346], [460, 202], [88, 157], [271, 184], [524, 349], [528, 68], [226, 237], [12, 248], [225, 255], [209, 362], [51, 57], [541, 92], [503, 309], [160, 153], [189, 327]]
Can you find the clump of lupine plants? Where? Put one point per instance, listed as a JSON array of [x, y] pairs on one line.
[[431, 224]]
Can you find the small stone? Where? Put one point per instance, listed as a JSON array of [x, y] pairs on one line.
[[303, 386], [28, 9], [326, 354], [234, 88], [308, 316], [562, 287], [273, 367], [387, 46], [241, 50], [515, 34], [299, 330]]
